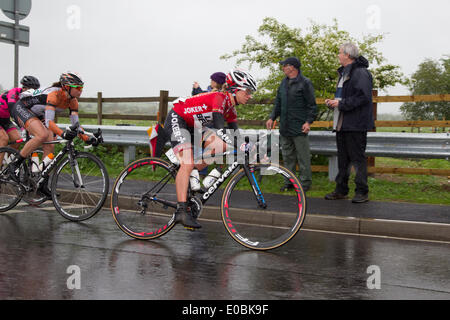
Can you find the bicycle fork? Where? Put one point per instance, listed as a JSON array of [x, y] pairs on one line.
[[76, 175], [250, 172]]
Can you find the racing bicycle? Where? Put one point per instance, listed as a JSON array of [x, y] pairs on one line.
[[143, 200], [79, 181]]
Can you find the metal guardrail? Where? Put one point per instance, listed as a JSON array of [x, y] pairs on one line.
[[379, 144], [386, 144]]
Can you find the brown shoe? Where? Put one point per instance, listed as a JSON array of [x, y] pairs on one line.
[[335, 196], [360, 198]]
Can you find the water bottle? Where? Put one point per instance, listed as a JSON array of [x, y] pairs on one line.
[[35, 163], [8, 158], [46, 161], [194, 179], [211, 178]]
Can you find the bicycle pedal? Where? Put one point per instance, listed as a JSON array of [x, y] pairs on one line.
[[189, 228]]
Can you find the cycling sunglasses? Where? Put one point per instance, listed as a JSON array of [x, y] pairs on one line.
[[75, 86]]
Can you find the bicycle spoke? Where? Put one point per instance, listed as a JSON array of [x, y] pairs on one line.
[[80, 191], [143, 199], [10, 192]]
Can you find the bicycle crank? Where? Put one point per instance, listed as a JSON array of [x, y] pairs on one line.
[[196, 206]]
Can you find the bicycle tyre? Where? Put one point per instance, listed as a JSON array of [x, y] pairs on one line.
[[263, 228], [133, 204], [78, 202], [10, 192]]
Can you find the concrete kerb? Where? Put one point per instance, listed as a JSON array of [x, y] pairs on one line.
[[363, 226], [341, 224]]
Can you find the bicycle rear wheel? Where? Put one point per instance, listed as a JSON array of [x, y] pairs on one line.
[[10, 192], [79, 190], [268, 220], [143, 198]]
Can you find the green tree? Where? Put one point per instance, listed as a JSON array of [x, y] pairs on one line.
[[317, 49], [431, 77]]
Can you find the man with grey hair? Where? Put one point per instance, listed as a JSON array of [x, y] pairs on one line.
[[353, 118]]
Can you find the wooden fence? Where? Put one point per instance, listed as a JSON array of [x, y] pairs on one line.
[[164, 99]]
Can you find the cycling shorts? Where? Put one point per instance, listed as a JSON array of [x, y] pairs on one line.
[[22, 114], [179, 133], [7, 125]]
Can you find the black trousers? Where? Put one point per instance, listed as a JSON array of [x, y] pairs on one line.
[[351, 148]]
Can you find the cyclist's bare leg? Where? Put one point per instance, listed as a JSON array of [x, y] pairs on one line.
[[14, 135], [184, 215], [48, 148], [4, 139], [182, 179], [39, 133], [3, 142], [213, 144]]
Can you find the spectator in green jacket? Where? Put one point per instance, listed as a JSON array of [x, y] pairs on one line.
[[295, 104]]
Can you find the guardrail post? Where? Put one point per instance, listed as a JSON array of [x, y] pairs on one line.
[[371, 160], [163, 105], [333, 168], [99, 108], [129, 154]]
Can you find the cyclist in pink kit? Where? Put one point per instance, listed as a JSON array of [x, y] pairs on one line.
[[202, 111], [8, 130]]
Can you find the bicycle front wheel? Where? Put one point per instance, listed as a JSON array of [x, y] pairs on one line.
[[255, 214], [79, 189], [10, 192], [143, 198]]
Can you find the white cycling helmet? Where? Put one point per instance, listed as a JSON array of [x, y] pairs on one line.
[[239, 79]]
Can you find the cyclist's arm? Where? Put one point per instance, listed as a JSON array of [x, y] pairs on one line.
[[50, 120], [74, 119], [12, 96], [50, 110], [219, 124]]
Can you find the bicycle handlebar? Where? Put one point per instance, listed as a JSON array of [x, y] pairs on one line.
[[76, 127]]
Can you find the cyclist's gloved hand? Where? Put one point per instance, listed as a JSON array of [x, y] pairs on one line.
[[69, 134], [93, 141], [246, 146]]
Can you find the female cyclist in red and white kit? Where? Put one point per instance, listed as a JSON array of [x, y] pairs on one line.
[[201, 111]]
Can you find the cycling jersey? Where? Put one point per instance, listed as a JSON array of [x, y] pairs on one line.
[[197, 111], [203, 110], [43, 104], [8, 99], [53, 97]]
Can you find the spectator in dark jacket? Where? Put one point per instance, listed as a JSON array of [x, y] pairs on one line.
[[295, 104], [353, 118], [217, 81]]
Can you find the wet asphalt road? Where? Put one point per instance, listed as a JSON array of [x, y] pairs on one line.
[[38, 249]]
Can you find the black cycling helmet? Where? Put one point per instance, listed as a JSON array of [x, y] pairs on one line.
[[30, 82], [70, 79]]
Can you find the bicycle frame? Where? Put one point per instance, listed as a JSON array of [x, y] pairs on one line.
[[227, 173], [68, 149]]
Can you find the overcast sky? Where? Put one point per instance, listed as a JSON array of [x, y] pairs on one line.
[[138, 47]]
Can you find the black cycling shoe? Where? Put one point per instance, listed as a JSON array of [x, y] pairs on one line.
[[287, 186], [187, 220], [14, 171], [45, 191]]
